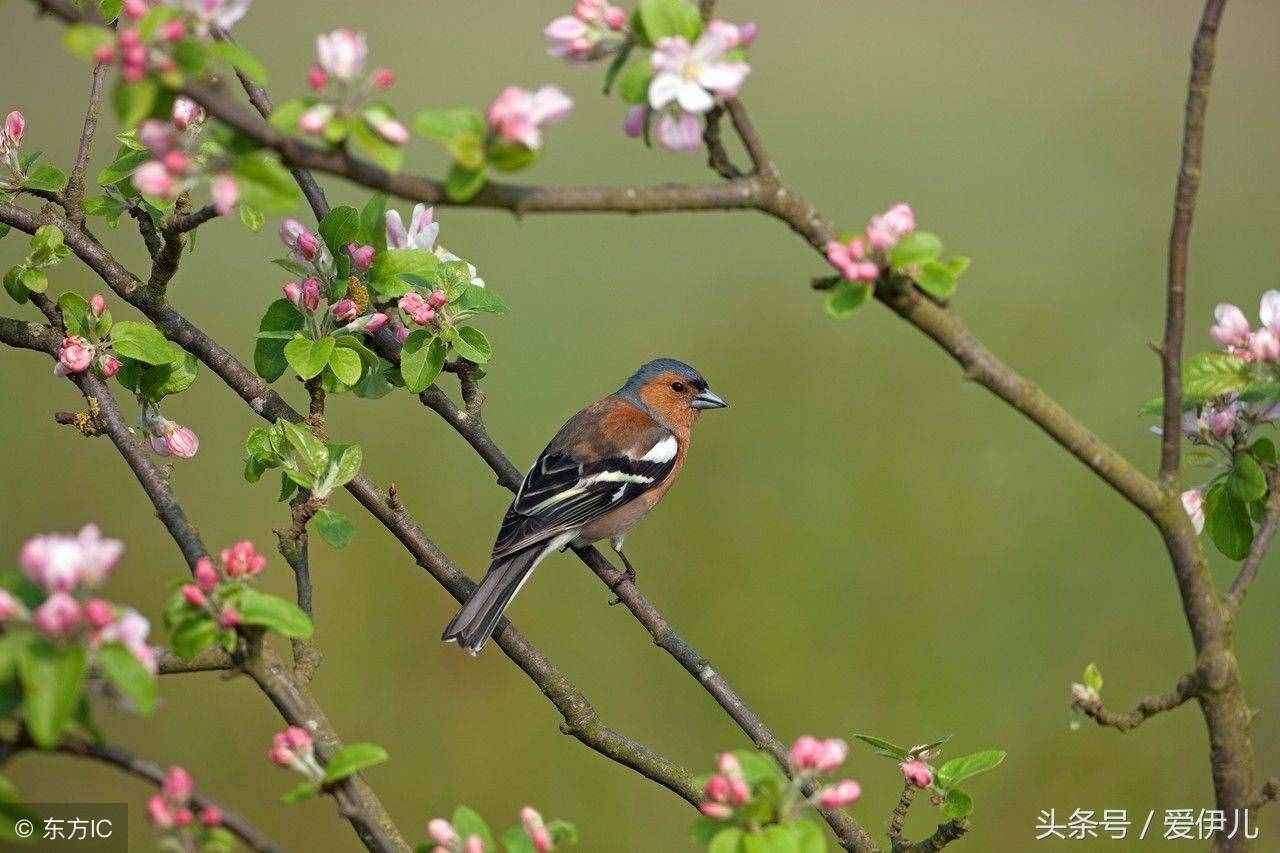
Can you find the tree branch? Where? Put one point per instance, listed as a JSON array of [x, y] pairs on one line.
[[73, 195], [1258, 550], [1184, 205], [1090, 704]]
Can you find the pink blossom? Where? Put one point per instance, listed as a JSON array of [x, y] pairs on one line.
[[679, 131], [361, 256], [421, 234], [183, 817], [344, 310], [104, 54], [694, 75], [716, 811], [1221, 421], [173, 30], [99, 613], [387, 127], [226, 192], [310, 294], [303, 245], [158, 812], [739, 790], [109, 365], [851, 259], [517, 115], [157, 136], [886, 229], [180, 441], [317, 78], [1193, 503], [292, 291], [402, 333], [417, 308], [177, 161], [58, 616], [732, 35], [375, 322], [590, 32], [186, 113], [206, 575], [178, 785], [97, 305], [211, 816], [442, 832], [14, 126], [437, 299], [917, 773], [133, 9], [832, 755], [810, 753], [342, 53], [229, 618], [383, 79], [130, 629], [535, 829], [217, 14], [717, 788], [1269, 310], [633, 121], [194, 595], [840, 794], [243, 560], [728, 764], [10, 607], [74, 356], [1264, 345], [59, 562], [315, 119], [473, 844], [154, 179]]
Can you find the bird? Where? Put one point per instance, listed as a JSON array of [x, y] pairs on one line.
[[605, 469]]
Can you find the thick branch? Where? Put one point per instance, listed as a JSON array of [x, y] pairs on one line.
[[1091, 705], [210, 660], [1184, 205]]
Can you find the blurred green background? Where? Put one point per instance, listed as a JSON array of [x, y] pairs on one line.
[[888, 549]]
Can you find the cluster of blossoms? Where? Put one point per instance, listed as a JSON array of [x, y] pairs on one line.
[[240, 561], [170, 810], [594, 29], [430, 309], [77, 354], [865, 255], [689, 78], [138, 55], [729, 792], [517, 115], [343, 84], [447, 839], [10, 141], [347, 315], [917, 773], [65, 566], [294, 750], [1231, 329], [177, 165]]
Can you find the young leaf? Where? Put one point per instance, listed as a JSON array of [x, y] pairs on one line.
[[467, 823], [279, 325], [883, 747], [239, 59], [134, 101], [1246, 482], [957, 770], [471, 344], [313, 451], [122, 167], [155, 382], [482, 299], [141, 342], [272, 613], [334, 528], [52, 678], [809, 838], [128, 675], [462, 184], [45, 177], [510, 157], [664, 18], [1264, 451], [845, 298], [340, 227], [421, 360], [1227, 521], [914, 248], [308, 357], [633, 82], [193, 635], [936, 279], [346, 365], [304, 791], [444, 125], [958, 804], [1093, 678], [83, 39], [1210, 374], [727, 840], [353, 758], [373, 222]]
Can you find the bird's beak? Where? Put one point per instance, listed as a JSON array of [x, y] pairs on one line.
[[709, 400]]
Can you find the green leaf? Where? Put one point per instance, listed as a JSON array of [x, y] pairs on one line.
[[110, 9], [389, 267], [346, 365], [444, 125], [1246, 482], [845, 298], [386, 154], [461, 184], [268, 353], [313, 451], [1093, 678], [421, 360], [340, 226], [334, 528], [958, 804], [193, 635], [128, 675], [1227, 520], [134, 101], [956, 266], [13, 284], [122, 167], [727, 840], [47, 244], [616, 64], [251, 217], [140, 342], [914, 248], [633, 82], [467, 150], [809, 837], [52, 678], [482, 299], [264, 183], [936, 279], [562, 832], [34, 280], [1264, 451], [284, 117], [272, 613], [373, 222], [1210, 374], [45, 177], [308, 357], [471, 344], [155, 382], [105, 206], [888, 749], [239, 59], [83, 39], [778, 838], [510, 157], [347, 464], [353, 758], [514, 840], [192, 55], [957, 770], [664, 18], [304, 791], [467, 822]]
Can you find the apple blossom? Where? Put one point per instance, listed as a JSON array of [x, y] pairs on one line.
[[361, 256], [180, 441], [97, 305], [310, 294], [186, 113], [442, 832], [1263, 345], [58, 616], [158, 812], [1269, 310], [130, 629], [292, 291], [194, 596], [811, 754], [633, 121], [104, 54], [14, 126], [342, 53], [211, 816], [886, 229], [473, 844], [717, 788], [517, 115], [74, 355], [157, 136], [229, 618], [917, 773], [716, 811], [226, 192], [153, 178], [59, 561], [422, 231], [535, 829], [212, 15], [99, 613], [677, 130], [840, 794], [243, 560], [383, 79], [374, 322], [694, 75], [344, 310], [183, 817], [1193, 504], [10, 607], [316, 119], [317, 78], [851, 259], [173, 30], [592, 30], [206, 575], [386, 126], [177, 785], [417, 308]]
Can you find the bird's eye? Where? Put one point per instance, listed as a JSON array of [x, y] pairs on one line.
[[678, 387]]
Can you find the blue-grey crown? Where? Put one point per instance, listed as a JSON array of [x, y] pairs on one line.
[[659, 366]]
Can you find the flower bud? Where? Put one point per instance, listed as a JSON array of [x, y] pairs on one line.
[[133, 9], [99, 613], [74, 356], [310, 294], [316, 119], [194, 596], [535, 829], [181, 441], [211, 816], [317, 79], [728, 764], [375, 322], [153, 178], [747, 33], [717, 789], [173, 30], [229, 618], [183, 817], [418, 309], [739, 791], [344, 311], [1193, 503], [97, 304], [109, 365], [384, 78], [716, 811], [402, 333], [615, 17], [917, 773], [129, 38], [832, 754], [442, 832], [58, 616], [177, 785], [633, 122], [104, 54], [473, 844], [226, 192], [1222, 421], [186, 113], [297, 738], [158, 812], [177, 161], [293, 292], [841, 794], [243, 560], [1264, 345], [437, 299], [308, 245], [361, 256], [342, 53], [206, 575]]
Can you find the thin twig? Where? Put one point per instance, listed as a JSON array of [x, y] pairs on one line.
[[74, 193], [1090, 704], [751, 140], [1257, 550], [1184, 205]]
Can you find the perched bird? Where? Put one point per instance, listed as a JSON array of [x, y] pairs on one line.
[[606, 468]]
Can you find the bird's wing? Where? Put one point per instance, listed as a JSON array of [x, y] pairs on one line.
[[579, 478]]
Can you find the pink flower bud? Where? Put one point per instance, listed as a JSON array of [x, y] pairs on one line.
[[437, 299], [226, 192], [375, 322], [211, 816], [293, 292], [177, 785], [717, 788], [132, 72], [317, 79], [388, 128], [384, 78], [134, 9], [716, 811], [104, 54], [183, 817], [158, 812], [186, 113], [344, 310], [243, 560], [418, 309], [58, 616], [109, 365], [75, 355], [728, 764], [1193, 503], [310, 294], [14, 126], [615, 17], [1264, 345], [342, 53], [297, 738], [841, 794], [206, 575], [280, 756], [153, 178], [747, 33], [156, 136], [535, 829], [316, 119], [229, 618], [99, 613], [917, 773], [442, 832], [805, 752], [164, 64], [402, 333], [129, 38], [173, 30], [361, 256], [308, 245], [182, 442], [832, 754], [1221, 421], [177, 161], [633, 122], [739, 791], [473, 844], [10, 607], [194, 596], [97, 304]]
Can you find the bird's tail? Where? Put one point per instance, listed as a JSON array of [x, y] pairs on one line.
[[475, 622]]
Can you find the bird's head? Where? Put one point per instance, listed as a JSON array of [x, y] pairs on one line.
[[673, 390]]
